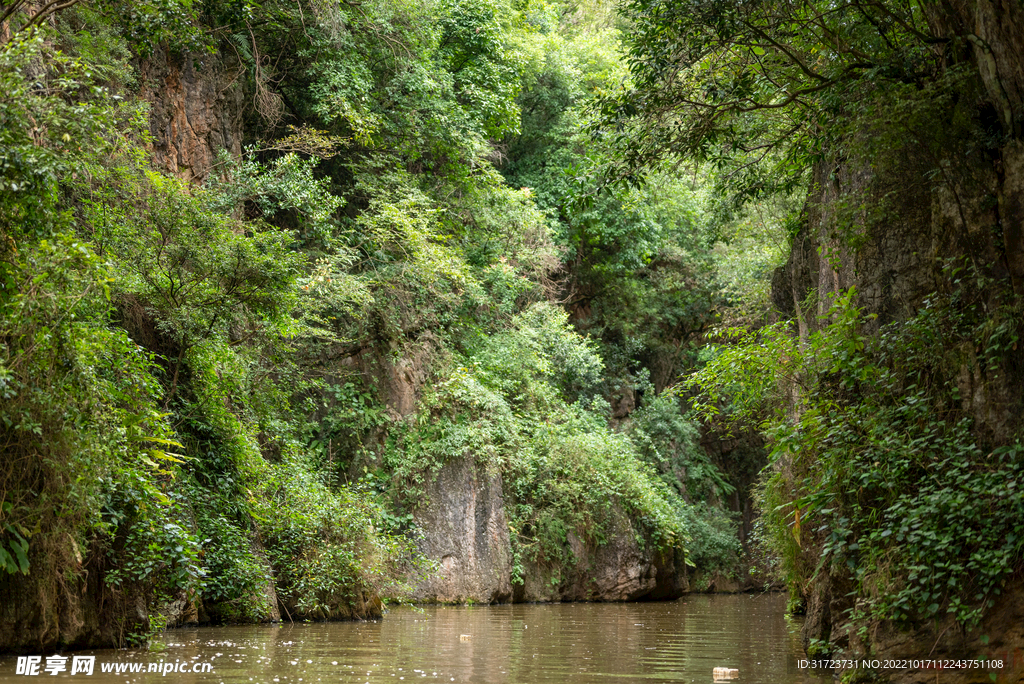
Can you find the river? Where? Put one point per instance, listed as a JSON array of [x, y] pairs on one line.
[[572, 643]]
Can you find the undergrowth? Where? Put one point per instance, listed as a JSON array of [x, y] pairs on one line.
[[877, 473]]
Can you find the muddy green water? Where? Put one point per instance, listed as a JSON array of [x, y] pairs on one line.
[[680, 641]]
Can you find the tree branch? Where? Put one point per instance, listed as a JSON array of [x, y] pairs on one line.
[[52, 7]]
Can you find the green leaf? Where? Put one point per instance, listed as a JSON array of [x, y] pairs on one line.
[[21, 553], [6, 561]]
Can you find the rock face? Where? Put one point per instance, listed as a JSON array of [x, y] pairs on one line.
[[1003, 627], [467, 534], [911, 225], [901, 260], [620, 570], [46, 610], [196, 110], [896, 267]]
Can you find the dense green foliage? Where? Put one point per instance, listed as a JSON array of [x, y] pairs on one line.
[[150, 368], [895, 452], [500, 232], [524, 403], [880, 476], [640, 277], [762, 90], [196, 407]]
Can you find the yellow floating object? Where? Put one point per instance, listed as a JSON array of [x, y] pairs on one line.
[[724, 673]]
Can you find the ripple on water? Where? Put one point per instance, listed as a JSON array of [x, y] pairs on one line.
[[679, 641]]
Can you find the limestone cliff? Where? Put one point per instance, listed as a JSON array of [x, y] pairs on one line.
[[626, 568], [466, 532], [890, 222], [197, 108]]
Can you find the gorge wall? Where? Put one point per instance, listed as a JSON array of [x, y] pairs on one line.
[[197, 110], [901, 222], [465, 529]]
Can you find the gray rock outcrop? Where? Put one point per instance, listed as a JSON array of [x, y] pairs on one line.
[[467, 536], [464, 515]]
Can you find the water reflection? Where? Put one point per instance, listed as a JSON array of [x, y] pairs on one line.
[[680, 641]]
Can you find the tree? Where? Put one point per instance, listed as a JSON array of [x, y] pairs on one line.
[[760, 88]]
